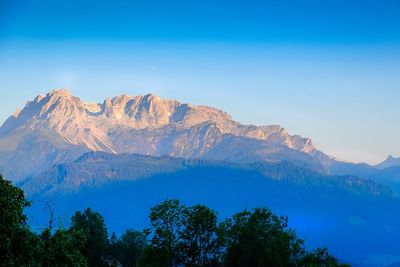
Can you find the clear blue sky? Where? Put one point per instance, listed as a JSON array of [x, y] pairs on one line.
[[329, 70]]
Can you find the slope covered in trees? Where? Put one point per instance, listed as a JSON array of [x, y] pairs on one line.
[[178, 235]]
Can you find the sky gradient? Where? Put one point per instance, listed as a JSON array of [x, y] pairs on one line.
[[328, 70]]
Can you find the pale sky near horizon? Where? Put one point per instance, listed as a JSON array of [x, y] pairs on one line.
[[329, 71]]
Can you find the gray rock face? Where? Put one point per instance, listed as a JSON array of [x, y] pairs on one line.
[[58, 127]]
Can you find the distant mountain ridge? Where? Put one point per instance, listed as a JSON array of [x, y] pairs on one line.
[[60, 127], [389, 162]]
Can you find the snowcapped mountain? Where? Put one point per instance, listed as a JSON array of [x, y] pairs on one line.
[[59, 127]]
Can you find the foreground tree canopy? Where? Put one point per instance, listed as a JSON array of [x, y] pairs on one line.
[[178, 236]]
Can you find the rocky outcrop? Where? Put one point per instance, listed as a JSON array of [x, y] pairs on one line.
[[146, 125]]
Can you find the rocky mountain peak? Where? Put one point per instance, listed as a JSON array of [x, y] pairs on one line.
[[107, 107], [16, 113], [389, 162], [144, 124], [38, 98], [59, 93]]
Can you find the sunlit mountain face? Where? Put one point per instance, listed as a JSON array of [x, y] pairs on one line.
[[60, 127], [287, 105], [128, 153]]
